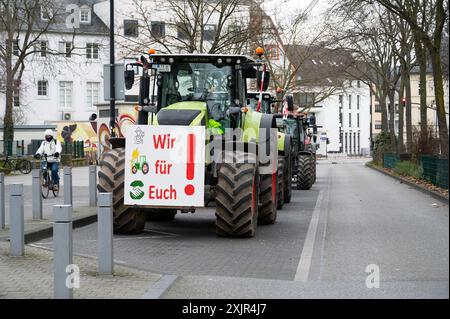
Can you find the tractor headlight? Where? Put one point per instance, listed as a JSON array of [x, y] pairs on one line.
[[219, 60], [171, 60]]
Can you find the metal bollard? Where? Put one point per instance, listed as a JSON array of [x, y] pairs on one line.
[[62, 250], [67, 185], [37, 194], [92, 185], [17, 238], [2, 201], [105, 234]]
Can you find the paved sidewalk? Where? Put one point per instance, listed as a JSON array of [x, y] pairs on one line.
[[31, 277]]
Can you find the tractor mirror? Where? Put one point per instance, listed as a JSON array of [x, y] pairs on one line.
[[266, 80], [290, 103], [312, 120], [144, 90], [129, 79], [315, 129]]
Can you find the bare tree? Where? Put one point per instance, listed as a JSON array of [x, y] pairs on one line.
[[23, 23], [196, 26], [427, 19]]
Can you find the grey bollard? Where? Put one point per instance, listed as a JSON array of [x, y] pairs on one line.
[[105, 234], [62, 250], [67, 185], [37, 194], [92, 185], [17, 238], [2, 201]]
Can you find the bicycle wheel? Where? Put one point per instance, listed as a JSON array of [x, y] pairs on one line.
[[44, 185], [6, 167], [25, 166]]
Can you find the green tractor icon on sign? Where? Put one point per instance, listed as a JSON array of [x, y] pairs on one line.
[[140, 164]]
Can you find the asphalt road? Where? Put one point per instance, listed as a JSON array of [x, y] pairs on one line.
[[353, 220]]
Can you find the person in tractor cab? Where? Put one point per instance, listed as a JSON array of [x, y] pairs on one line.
[[51, 148]]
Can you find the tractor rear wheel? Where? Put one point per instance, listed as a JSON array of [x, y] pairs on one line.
[[288, 179], [280, 182], [237, 198], [305, 175], [161, 215], [127, 219]]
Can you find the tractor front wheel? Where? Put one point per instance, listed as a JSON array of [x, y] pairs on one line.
[[280, 182], [237, 198], [127, 219]]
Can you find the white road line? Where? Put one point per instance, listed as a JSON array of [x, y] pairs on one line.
[[304, 264]]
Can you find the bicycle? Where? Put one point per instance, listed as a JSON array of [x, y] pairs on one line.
[[16, 164], [47, 183]]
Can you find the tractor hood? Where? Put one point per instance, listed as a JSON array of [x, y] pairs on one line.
[[191, 113]]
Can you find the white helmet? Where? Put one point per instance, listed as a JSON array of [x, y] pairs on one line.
[[48, 132]]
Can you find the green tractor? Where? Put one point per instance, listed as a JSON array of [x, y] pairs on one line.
[[210, 91], [303, 150], [285, 154]]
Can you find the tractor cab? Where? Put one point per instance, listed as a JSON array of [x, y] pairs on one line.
[[194, 89]]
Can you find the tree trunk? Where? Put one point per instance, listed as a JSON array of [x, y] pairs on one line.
[[8, 122], [421, 57], [384, 118], [392, 120], [439, 99], [408, 106], [401, 146]]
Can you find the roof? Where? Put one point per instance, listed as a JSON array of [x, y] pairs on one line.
[[96, 27], [320, 66]]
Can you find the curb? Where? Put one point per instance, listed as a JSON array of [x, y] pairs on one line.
[[420, 188], [42, 232]]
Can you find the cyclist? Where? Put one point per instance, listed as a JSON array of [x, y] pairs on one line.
[[52, 148]]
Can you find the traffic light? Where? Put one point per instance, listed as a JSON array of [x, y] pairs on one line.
[[404, 102]]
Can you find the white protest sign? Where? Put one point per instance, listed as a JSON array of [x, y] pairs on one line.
[[165, 166]]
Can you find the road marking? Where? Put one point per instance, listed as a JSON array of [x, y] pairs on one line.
[[160, 287], [304, 264]]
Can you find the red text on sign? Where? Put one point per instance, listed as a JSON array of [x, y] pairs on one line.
[[163, 141], [162, 193]]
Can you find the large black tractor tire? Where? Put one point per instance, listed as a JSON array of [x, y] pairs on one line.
[[315, 169], [237, 198], [127, 219], [161, 215], [268, 194], [288, 179], [280, 182], [305, 174]]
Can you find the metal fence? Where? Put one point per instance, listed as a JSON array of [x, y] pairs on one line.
[[29, 148], [389, 160], [76, 149], [435, 170]]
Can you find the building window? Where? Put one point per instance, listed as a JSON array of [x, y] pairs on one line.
[[349, 102], [357, 102], [42, 88], [92, 94], [349, 119], [209, 32], [341, 101], [92, 50], [182, 31], [378, 126], [15, 47], [357, 120], [341, 138], [358, 83], [346, 142], [359, 143], [354, 143], [16, 98], [273, 53], [158, 29], [65, 94], [350, 142], [377, 108], [43, 48], [130, 28], [85, 15], [65, 48]]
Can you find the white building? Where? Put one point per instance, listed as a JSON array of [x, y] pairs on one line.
[[64, 79], [340, 104]]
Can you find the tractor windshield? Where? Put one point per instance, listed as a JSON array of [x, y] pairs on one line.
[[197, 82]]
